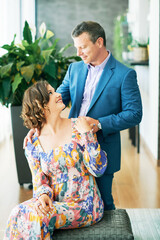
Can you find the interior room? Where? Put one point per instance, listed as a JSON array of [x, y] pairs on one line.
[[133, 36]]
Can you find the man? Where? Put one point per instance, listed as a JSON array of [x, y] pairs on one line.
[[106, 92]]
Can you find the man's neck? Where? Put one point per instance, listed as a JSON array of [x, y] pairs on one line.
[[102, 57]]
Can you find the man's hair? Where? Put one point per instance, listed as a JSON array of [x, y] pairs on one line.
[[34, 103], [94, 30]]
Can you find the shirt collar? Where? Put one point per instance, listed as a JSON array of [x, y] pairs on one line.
[[102, 65]]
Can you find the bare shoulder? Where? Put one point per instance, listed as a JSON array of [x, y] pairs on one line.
[[66, 121], [67, 125]]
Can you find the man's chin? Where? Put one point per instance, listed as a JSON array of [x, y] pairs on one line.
[[85, 60]]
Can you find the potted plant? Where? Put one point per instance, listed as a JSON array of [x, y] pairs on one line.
[[29, 61], [20, 67], [140, 52]]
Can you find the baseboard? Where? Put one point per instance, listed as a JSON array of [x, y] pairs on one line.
[[148, 152]]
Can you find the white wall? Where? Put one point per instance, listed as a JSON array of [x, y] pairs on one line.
[[12, 17], [149, 84], [152, 137], [28, 13], [138, 19], [9, 21], [13, 14]]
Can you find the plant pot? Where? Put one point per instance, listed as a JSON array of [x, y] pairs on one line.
[[19, 132], [140, 54]]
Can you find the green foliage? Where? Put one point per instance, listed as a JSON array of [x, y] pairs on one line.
[[27, 33], [118, 38], [122, 38], [28, 62], [137, 44]]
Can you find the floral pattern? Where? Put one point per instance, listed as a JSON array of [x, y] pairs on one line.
[[67, 174]]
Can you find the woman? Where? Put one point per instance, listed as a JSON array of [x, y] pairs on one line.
[[64, 160]]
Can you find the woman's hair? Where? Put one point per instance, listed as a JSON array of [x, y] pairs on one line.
[[94, 30], [34, 103]]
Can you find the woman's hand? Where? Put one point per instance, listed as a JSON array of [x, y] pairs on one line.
[[43, 205], [82, 125], [28, 138]]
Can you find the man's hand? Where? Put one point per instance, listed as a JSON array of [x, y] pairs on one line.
[[93, 123], [82, 125], [28, 138]]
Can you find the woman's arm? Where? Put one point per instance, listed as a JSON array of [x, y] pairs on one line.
[[95, 159], [39, 179]]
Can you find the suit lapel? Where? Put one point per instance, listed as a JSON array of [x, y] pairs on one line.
[[81, 79], [103, 81]]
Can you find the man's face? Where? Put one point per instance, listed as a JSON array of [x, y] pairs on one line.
[[86, 49]]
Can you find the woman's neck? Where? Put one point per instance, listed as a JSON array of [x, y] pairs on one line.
[[52, 125]]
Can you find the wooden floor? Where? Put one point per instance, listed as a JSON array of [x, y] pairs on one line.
[[135, 186]]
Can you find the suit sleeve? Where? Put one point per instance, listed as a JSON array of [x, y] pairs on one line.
[[39, 179], [63, 89], [131, 105]]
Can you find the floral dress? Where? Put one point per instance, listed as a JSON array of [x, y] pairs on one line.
[[67, 174]]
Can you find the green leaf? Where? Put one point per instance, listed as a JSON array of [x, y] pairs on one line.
[[27, 72], [77, 58], [12, 43], [6, 87], [20, 46], [46, 54], [51, 69], [6, 47], [9, 47], [65, 48], [49, 34], [5, 69], [27, 33], [46, 44], [16, 82], [1, 92], [19, 64], [25, 43], [54, 44]]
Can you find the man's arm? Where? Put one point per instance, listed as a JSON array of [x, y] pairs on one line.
[[131, 105], [63, 89]]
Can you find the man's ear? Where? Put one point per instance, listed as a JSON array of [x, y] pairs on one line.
[[100, 42]]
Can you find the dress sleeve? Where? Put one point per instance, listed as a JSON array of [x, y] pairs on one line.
[[95, 159], [39, 179]]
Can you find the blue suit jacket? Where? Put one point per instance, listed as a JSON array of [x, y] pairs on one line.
[[116, 103]]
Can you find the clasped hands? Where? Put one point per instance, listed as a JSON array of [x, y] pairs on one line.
[[85, 124], [92, 124], [43, 205]]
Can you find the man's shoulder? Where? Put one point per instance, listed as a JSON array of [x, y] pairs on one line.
[[78, 64], [121, 65]]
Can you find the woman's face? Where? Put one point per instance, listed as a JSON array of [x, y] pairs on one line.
[[55, 100]]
